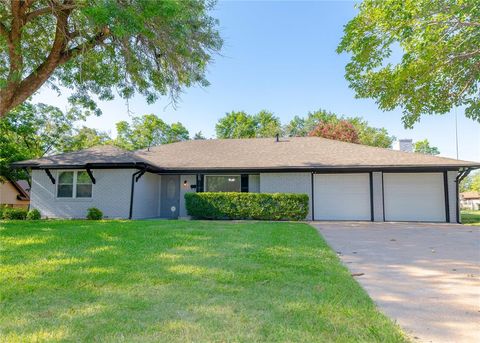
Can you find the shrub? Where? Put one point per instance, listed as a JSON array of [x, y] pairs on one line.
[[34, 214], [94, 213], [14, 213], [260, 206]]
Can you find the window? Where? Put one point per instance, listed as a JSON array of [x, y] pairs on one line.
[[74, 184], [65, 184], [222, 183]]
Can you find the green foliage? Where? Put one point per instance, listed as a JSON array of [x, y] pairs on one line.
[[471, 182], [260, 206], [94, 213], [84, 138], [243, 125], [32, 131], [419, 55], [341, 131], [198, 136], [367, 135], [34, 214], [148, 130], [424, 147], [97, 47], [10, 213]]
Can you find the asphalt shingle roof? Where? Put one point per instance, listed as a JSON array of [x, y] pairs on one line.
[[252, 154]]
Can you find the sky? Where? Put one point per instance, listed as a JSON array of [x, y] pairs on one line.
[[280, 56]]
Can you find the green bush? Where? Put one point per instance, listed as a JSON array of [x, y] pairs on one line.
[[259, 206], [34, 214], [94, 213], [14, 213]]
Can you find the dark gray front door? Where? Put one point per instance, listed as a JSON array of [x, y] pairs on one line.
[[169, 196]]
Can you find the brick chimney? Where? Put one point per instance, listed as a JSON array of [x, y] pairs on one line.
[[405, 145]]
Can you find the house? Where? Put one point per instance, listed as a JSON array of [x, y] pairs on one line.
[[14, 193], [470, 201], [344, 181]]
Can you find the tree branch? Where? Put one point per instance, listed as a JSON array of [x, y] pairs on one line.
[[4, 32], [89, 44]]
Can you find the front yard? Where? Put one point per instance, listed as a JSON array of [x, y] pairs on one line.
[[471, 217], [179, 281]]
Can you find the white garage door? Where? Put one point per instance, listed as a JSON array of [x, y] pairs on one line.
[[342, 196], [414, 197]]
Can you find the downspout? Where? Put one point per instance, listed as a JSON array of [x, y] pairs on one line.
[[460, 176], [135, 177]]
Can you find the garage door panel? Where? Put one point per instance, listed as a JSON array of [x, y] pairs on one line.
[[414, 197], [342, 196]]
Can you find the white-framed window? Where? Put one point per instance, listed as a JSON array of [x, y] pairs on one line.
[[74, 184], [223, 183]]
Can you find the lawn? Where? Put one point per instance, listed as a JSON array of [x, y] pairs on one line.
[[471, 217], [179, 281]]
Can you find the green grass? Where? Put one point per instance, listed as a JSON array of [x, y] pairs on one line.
[[471, 217], [179, 281]]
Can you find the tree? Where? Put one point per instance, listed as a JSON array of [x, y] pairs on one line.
[[424, 147], [236, 125], [95, 47], [420, 55], [266, 124], [471, 183], [243, 125], [341, 130], [85, 138], [198, 136], [33, 131], [367, 134], [148, 130]]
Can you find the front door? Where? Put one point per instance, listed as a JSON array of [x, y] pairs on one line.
[[169, 196]]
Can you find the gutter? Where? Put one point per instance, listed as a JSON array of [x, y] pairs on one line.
[[135, 177]]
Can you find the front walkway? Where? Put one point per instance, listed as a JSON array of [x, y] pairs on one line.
[[424, 276]]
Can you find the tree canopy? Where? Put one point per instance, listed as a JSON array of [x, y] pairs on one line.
[[341, 130], [424, 147], [243, 125], [146, 131], [471, 183], [98, 47], [422, 56]]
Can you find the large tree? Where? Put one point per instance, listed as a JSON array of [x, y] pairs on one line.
[[424, 147], [84, 138], [98, 46], [148, 130], [341, 130], [420, 55]]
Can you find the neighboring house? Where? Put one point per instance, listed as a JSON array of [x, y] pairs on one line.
[[14, 193], [470, 201], [344, 181]]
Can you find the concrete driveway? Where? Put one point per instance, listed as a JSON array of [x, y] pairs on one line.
[[424, 276]]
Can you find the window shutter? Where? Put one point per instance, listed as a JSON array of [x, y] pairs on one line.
[[244, 186], [199, 183]]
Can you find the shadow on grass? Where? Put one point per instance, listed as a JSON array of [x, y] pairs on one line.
[[178, 281]]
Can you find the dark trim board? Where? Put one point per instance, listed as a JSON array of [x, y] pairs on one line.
[[383, 198], [313, 195], [372, 217], [445, 190]]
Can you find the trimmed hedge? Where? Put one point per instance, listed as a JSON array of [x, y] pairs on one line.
[[94, 213], [259, 206]]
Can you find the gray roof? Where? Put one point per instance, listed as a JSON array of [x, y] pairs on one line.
[[253, 154]]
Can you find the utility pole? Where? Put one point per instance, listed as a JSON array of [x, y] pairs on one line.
[[456, 131]]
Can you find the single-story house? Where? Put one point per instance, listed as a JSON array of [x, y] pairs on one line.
[[14, 193], [470, 200], [344, 181]]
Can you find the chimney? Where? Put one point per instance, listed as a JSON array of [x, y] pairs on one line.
[[405, 145]]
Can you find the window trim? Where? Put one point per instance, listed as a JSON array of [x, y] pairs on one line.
[[74, 185], [239, 176]]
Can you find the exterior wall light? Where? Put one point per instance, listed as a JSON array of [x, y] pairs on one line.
[[185, 183]]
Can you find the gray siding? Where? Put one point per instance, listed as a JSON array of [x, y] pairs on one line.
[[377, 185], [111, 194], [452, 194], [288, 183], [146, 197], [254, 183], [191, 180]]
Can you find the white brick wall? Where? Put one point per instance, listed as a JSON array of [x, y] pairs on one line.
[[254, 183], [377, 184], [288, 183], [111, 194], [452, 195], [191, 180]]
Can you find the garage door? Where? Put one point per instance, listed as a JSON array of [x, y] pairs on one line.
[[414, 197], [342, 197]]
